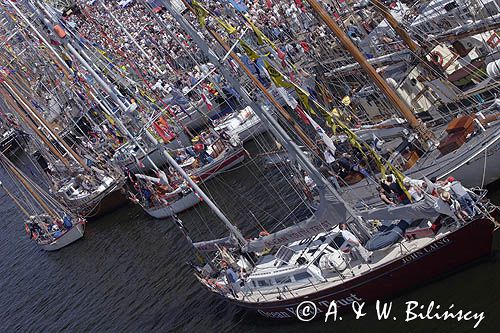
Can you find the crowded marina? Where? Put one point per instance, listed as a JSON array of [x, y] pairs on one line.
[[373, 125]]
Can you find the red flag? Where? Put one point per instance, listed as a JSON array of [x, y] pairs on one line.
[[302, 115], [305, 46], [161, 132]]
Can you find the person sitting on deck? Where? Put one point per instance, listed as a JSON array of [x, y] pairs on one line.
[[352, 242], [393, 187], [385, 197], [448, 206], [200, 149], [415, 191]]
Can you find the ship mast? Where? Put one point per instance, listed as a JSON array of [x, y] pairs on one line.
[[234, 230], [18, 95], [271, 123], [28, 186], [297, 129], [415, 123], [414, 47], [13, 104]]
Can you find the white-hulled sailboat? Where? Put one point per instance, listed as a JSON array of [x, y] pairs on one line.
[[316, 261], [48, 223]]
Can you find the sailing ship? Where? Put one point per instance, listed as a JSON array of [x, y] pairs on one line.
[[48, 223], [103, 184], [313, 260]]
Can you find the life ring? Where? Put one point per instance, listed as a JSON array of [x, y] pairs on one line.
[[437, 58], [263, 233]]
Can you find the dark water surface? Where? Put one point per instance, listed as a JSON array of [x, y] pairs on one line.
[[128, 274]]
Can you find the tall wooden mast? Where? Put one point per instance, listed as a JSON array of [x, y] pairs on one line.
[[15, 107], [22, 99], [414, 47], [415, 123], [28, 186]]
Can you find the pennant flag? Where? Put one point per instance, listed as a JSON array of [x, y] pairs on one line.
[[261, 38], [201, 13], [228, 27], [277, 78], [346, 100], [302, 115], [289, 100], [248, 50], [322, 134], [109, 118], [304, 98], [335, 112]]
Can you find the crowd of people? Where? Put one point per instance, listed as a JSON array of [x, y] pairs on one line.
[[452, 198], [43, 227]]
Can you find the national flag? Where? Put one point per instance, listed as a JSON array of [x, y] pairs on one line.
[[207, 101], [161, 132], [302, 115], [139, 163], [322, 134]]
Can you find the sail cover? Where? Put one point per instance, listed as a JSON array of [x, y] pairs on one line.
[[330, 212], [426, 208]]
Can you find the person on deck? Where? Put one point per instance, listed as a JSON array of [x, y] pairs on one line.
[[462, 195], [352, 242], [231, 278], [200, 148], [385, 197], [448, 206]]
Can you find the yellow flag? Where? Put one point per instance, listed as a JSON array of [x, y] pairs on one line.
[[277, 78], [346, 100], [248, 50], [109, 118], [261, 38], [201, 12], [228, 27], [304, 98], [399, 179], [335, 112]]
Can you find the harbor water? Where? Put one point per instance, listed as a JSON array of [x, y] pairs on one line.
[[129, 273]]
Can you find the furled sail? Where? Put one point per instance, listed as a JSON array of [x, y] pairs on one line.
[[215, 244], [330, 212]]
